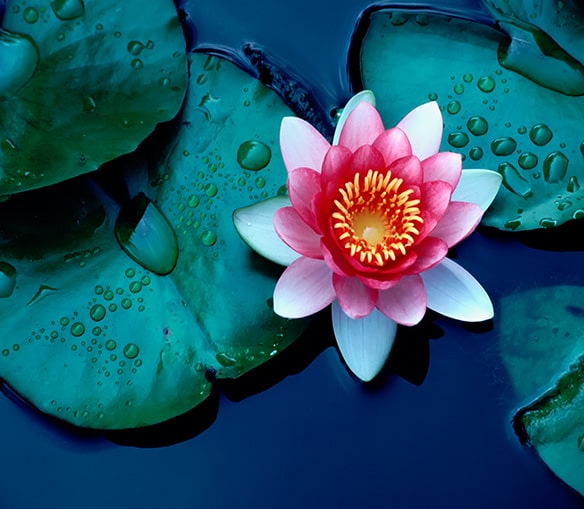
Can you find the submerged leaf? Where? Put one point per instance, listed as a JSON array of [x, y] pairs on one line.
[[82, 84], [497, 112], [543, 354], [96, 336]]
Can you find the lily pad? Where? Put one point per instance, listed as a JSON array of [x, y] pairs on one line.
[[499, 112], [544, 356], [94, 334], [82, 84]]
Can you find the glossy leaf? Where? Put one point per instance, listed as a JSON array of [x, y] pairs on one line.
[[82, 83], [96, 337]]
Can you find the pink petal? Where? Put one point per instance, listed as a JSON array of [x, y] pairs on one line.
[[393, 144], [364, 95], [409, 169], [362, 127], [446, 166], [296, 233], [339, 267], [303, 185], [459, 221], [431, 251], [336, 163], [367, 158], [423, 125], [405, 302], [301, 144], [380, 284], [303, 289], [354, 297], [435, 197], [364, 343]]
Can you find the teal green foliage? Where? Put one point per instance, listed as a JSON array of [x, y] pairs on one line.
[[543, 353], [96, 336], [82, 84], [512, 101]]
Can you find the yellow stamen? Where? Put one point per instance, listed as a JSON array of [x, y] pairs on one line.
[[374, 219]]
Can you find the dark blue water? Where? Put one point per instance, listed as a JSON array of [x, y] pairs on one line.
[[433, 431]]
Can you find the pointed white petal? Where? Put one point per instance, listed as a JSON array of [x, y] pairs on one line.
[[454, 292], [365, 95], [255, 226], [423, 125], [364, 343], [478, 186]]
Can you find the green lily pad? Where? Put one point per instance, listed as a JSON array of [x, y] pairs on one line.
[[544, 356], [499, 110], [83, 84], [93, 333]]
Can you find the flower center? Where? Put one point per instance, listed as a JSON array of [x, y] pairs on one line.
[[374, 220]]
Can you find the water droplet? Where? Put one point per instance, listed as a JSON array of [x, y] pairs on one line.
[[547, 222], [112, 307], [31, 15], [467, 78], [459, 89], [476, 153], [540, 134], [145, 280], [433, 96], [503, 146], [126, 303], [513, 224], [193, 201], [137, 64], [77, 329], [146, 235], [260, 182], [527, 160], [253, 155], [458, 140], [108, 295], [88, 104], [135, 287], [150, 44], [555, 166], [225, 359], [477, 125], [513, 181], [422, 20], [211, 190], [131, 350], [486, 84], [208, 238], [130, 272], [573, 184], [19, 58], [97, 312], [7, 279], [98, 290], [453, 107], [398, 18], [578, 214], [68, 9], [6, 352]]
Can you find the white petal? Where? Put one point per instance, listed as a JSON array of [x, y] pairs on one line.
[[364, 343], [454, 292], [255, 226], [423, 125], [478, 186], [365, 95]]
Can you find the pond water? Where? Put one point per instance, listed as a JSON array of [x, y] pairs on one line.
[[435, 428]]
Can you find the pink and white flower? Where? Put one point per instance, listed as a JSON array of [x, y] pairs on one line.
[[369, 223]]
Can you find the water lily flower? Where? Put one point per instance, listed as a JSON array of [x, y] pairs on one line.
[[369, 222]]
